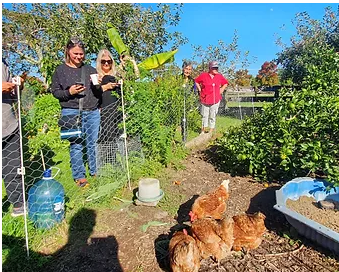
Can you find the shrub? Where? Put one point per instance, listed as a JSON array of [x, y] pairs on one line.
[[154, 112], [295, 136], [44, 114]]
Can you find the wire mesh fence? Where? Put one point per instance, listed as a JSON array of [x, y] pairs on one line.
[[145, 126], [148, 121], [239, 104]]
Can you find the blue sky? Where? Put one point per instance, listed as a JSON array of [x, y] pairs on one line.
[[256, 23]]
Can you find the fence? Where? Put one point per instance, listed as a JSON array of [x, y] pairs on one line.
[[239, 104], [149, 121], [143, 127]]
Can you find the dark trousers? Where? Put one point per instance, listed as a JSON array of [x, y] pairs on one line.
[[10, 164]]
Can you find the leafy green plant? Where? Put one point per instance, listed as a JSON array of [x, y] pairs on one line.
[[295, 136], [155, 111], [41, 124], [116, 40], [157, 60]]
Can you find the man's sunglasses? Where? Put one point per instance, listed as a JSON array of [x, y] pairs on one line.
[[106, 61]]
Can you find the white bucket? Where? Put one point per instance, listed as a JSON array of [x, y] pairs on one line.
[[149, 190]]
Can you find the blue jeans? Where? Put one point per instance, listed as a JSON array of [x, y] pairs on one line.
[[90, 129]]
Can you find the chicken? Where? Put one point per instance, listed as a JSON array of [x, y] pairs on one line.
[[184, 253], [248, 230], [213, 204], [227, 235], [210, 236]]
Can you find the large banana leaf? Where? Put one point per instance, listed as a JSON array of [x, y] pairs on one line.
[[157, 60], [116, 40]]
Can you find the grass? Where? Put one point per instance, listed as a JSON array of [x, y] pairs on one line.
[[224, 123], [249, 94], [234, 104]]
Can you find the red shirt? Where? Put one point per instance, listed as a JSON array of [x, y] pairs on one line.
[[210, 87]]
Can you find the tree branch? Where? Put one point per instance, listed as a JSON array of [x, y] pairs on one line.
[[28, 58]]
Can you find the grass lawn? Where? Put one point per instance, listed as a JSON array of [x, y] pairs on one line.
[[249, 94], [225, 122], [234, 104]]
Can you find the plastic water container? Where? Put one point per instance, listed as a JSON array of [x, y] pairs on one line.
[[46, 200]]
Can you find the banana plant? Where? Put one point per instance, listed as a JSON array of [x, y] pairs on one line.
[[157, 60], [116, 40], [148, 64]]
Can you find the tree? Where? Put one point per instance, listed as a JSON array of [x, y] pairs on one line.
[[242, 78], [297, 135], [268, 74], [311, 34], [229, 57], [34, 35]]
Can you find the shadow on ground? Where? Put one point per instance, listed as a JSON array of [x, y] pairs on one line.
[[81, 253]]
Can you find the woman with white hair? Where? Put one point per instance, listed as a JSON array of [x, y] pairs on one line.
[[111, 116]]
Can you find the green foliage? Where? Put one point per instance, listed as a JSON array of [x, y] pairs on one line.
[[311, 33], [155, 110], [36, 85], [41, 124], [116, 40], [297, 135], [157, 60], [36, 34], [229, 57]]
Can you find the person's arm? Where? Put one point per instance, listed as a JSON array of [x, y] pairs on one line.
[[224, 83], [197, 81], [7, 87], [57, 90], [109, 86], [222, 88], [135, 66], [64, 94]]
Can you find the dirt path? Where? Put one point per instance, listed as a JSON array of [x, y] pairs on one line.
[[117, 242]]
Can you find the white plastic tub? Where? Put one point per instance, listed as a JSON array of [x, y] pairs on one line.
[[312, 230]]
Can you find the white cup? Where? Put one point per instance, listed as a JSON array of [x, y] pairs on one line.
[[95, 79]]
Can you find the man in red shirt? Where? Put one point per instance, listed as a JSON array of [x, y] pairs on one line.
[[210, 86]]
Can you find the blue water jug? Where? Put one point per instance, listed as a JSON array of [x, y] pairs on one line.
[[46, 200]]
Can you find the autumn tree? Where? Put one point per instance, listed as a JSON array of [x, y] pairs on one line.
[[34, 35], [242, 78], [268, 74]]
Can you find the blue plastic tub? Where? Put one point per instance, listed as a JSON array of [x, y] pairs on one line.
[[312, 230]]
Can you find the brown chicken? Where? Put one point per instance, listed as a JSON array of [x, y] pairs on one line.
[[213, 204], [248, 230], [184, 253], [213, 238]]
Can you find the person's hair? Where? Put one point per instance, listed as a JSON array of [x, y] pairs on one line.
[[186, 63], [101, 53], [73, 42]]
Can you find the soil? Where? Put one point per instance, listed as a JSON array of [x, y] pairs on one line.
[[117, 243], [308, 207]]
